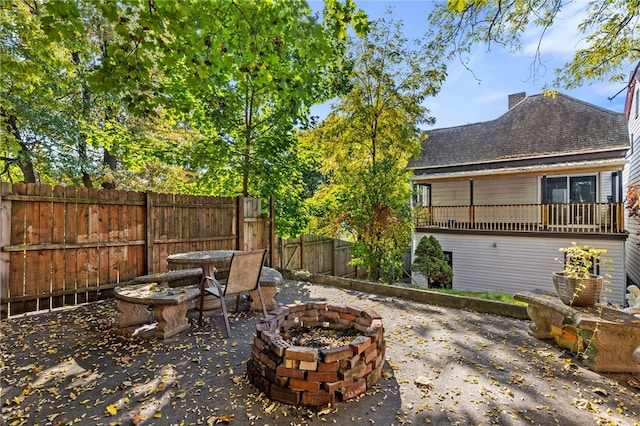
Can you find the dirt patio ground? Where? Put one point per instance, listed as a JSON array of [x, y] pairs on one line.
[[443, 366]]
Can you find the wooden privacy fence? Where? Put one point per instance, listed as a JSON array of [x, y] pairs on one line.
[[318, 255], [64, 246]]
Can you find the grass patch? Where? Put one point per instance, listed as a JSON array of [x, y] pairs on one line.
[[487, 295]]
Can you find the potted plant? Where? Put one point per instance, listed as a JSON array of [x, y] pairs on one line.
[[576, 284]]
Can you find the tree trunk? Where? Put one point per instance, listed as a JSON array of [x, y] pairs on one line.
[[23, 159], [110, 161]]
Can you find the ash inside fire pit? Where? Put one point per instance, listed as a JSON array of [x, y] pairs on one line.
[[319, 337], [317, 353]]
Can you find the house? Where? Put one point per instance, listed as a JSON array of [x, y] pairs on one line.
[[503, 196], [631, 173]]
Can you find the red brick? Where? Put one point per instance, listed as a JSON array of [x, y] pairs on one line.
[[257, 379], [328, 366], [354, 372], [303, 385], [330, 314], [358, 387], [371, 356], [363, 321], [379, 360], [336, 354], [288, 323], [322, 376], [347, 316], [271, 375], [334, 386], [297, 307], [317, 398], [291, 363], [301, 353], [376, 333], [350, 363], [276, 343], [308, 365], [258, 342], [290, 372], [268, 361], [306, 318], [336, 308], [263, 326], [360, 327], [321, 306], [340, 324], [294, 315], [284, 395], [371, 314], [354, 311], [359, 344], [382, 348], [374, 376], [255, 352], [367, 370]]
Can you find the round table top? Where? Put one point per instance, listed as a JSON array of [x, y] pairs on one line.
[[201, 257]]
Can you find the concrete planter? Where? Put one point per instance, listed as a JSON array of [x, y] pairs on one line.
[[580, 292]]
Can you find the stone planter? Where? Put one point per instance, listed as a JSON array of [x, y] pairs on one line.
[[578, 292]]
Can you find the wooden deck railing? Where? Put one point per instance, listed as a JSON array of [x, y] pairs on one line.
[[602, 218]]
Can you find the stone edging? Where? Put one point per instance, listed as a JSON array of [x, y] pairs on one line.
[[416, 295]]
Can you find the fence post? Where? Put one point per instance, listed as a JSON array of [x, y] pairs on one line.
[[302, 252], [334, 261], [5, 240], [272, 230], [240, 221], [149, 214]]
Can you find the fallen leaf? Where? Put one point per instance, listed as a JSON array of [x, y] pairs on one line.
[[112, 410]]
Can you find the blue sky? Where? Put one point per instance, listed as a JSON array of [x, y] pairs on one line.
[[463, 99]]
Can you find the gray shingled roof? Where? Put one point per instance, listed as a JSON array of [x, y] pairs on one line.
[[537, 126]]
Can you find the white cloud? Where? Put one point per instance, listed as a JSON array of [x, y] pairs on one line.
[[562, 39]]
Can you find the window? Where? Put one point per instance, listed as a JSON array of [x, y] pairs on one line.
[[422, 195], [571, 200], [448, 256], [571, 189]]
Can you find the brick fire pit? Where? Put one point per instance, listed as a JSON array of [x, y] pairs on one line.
[[309, 376]]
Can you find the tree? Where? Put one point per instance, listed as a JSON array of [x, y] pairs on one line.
[[430, 262], [48, 104], [610, 29], [233, 78], [365, 144]]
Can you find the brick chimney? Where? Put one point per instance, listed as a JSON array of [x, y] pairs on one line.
[[516, 98]]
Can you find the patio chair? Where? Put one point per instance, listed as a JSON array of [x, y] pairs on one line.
[[244, 276]]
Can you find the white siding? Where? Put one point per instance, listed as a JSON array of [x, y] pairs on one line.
[[512, 264], [605, 186], [632, 177]]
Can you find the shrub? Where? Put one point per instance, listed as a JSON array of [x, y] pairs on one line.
[[431, 262]]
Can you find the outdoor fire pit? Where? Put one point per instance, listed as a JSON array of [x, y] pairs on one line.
[[315, 354]]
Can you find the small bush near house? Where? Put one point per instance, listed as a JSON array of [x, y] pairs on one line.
[[432, 264]]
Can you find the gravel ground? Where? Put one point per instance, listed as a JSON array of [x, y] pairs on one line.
[[443, 366]]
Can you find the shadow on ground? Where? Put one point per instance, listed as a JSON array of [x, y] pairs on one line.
[[444, 366]]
